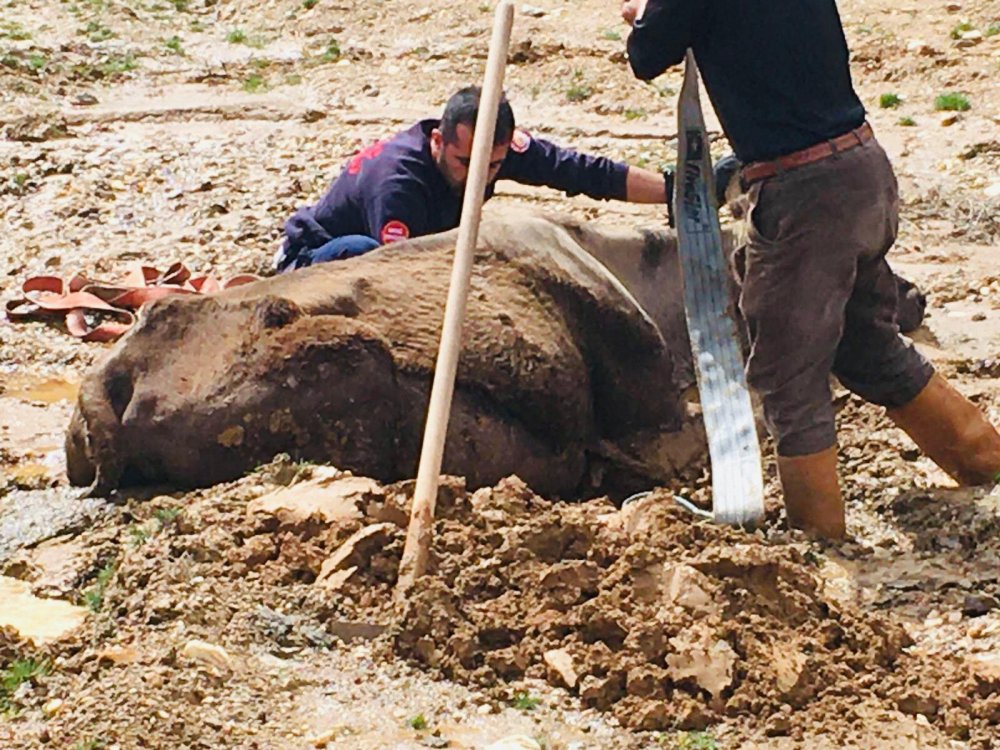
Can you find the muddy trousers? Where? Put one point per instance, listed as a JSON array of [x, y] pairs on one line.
[[818, 296]]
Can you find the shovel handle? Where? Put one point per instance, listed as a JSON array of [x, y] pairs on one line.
[[418, 537]]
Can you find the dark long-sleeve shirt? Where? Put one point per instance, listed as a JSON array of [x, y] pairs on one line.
[[776, 70], [393, 189]]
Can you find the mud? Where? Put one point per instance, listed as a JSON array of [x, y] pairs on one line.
[[138, 131]]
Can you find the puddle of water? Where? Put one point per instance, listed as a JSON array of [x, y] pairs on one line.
[[47, 391]]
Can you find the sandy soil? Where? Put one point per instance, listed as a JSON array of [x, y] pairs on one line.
[[157, 131]]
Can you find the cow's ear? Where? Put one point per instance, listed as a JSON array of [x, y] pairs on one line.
[[276, 312]]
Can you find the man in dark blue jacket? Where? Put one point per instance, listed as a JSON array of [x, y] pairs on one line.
[[817, 293], [412, 183]]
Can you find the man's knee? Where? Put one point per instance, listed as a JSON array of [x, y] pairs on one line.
[[888, 372]]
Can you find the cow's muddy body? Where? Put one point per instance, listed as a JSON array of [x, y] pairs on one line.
[[574, 365]]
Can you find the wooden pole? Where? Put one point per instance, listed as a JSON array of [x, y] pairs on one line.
[[420, 532]]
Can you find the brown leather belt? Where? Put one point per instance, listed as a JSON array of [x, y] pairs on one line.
[[761, 170]]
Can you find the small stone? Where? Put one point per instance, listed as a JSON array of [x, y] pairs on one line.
[[357, 550], [118, 655], [561, 669], [533, 12], [207, 653], [323, 738], [53, 707], [948, 119], [601, 692], [978, 317], [515, 742]]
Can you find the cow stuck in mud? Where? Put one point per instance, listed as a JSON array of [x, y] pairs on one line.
[[573, 375]]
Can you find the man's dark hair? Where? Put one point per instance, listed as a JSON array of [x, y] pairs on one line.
[[462, 109]]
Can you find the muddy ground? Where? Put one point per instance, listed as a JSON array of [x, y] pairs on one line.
[[162, 131]]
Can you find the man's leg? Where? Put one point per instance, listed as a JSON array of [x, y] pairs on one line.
[[796, 283], [339, 248], [875, 362]]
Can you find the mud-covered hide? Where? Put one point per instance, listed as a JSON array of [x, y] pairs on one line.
[[562, 367]]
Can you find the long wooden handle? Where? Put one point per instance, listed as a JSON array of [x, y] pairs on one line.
[[418, 537]]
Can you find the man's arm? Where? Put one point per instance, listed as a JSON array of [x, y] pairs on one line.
[[534, 161], [662, 31], [398, 211], [643, 186]]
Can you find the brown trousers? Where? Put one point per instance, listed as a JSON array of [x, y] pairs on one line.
[[818, 295]]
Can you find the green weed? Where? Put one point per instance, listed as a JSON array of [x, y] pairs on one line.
[[634, 114], [964, 26], [579, 90], [524, 701], [418, 722], [889, 101], [37, 61], [309, 4], [94, 596], [97, 32], [16, 674], [236, 36], [907, 122], [611, 35], [13, 31], [332, 51], [254, 82], [952, 102], [174, 45]]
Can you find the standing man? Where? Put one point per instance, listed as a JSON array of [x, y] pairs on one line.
[[817, 293], [412, 184]]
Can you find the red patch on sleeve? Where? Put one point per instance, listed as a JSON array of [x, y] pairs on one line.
[[394, 231], [520, 142]]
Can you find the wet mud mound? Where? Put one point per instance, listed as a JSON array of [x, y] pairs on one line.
[[663, 621]]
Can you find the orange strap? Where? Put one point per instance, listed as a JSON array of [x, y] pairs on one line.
[[93, 311]]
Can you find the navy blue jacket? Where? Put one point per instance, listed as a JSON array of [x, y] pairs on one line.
[[393, 189]]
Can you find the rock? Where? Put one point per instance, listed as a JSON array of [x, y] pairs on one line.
[[703, 658], [789, 665], [349, 631], [977, 605], [208, 653], [325, 500], [561, 669], [53, 707], [118, 655], [533, 11], [356, 551], [515, 742], [985, 671], [687, 587], [948, 119], [39, 620], [646, 682], [915, 701], [565, 582], [324, 738], [336, 580], [601, 692]]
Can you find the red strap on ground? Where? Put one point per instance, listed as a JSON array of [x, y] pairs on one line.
[[96, 311]]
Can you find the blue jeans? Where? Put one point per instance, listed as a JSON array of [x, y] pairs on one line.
[[338, 248]]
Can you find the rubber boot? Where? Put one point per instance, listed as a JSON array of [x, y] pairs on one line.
[[813, 501], [953, 432]]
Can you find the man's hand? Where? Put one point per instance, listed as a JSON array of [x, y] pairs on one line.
[[632, 9]]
